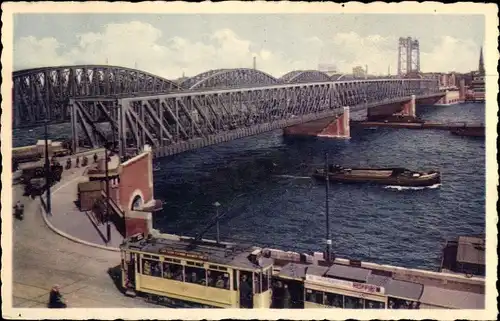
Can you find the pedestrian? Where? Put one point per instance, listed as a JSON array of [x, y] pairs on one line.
[[77, 161], [56, 300], [287, 299], [95, 157]]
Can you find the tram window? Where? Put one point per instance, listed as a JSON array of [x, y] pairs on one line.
[[314, 296], [257, 282], [246, 279], [168, 270], [195, 275], [266, 280], [403, 304], [334, 300], [369, 304], [150, 267], [216, 267], [353, 303], [177, 272], [194, 263], [218, 279]]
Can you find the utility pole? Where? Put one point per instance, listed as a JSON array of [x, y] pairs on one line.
[[47, 168], [106, 168], [217, 204], [327, 212]]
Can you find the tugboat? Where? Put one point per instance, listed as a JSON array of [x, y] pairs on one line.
[[385, 176]]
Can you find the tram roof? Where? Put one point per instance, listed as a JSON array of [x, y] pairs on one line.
[[348, 272], [393, 287], [451, 298], [226, 254], [397, 288]]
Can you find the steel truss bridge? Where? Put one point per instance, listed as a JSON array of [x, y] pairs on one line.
[[215, 106]]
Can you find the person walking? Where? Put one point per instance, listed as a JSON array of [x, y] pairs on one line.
[[56, 300]]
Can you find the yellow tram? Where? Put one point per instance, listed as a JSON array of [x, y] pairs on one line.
[[185, 272], [348, 287], [188, 272]]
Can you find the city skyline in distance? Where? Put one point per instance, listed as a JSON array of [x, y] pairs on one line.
[[169, 45]]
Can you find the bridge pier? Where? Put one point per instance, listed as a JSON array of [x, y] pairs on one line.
[[339, 128], [452, 97], [331, 127], [405, 110], [409, 108]]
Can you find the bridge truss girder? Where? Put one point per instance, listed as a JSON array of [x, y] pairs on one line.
[[42, 93], [176, 122], [229, 78]]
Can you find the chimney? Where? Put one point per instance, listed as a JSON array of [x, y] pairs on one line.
[[255, 63]]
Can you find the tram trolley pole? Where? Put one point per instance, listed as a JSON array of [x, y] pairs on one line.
[[106, 168]]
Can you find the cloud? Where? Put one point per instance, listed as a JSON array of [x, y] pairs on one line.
[[379, 52], [451, 54], [141, 44]]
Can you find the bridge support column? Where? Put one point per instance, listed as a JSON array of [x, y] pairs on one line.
[[74, 127], [409, 108], [339, 128], [462, 90]]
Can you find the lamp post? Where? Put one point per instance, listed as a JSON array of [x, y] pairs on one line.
[[106, 168], [47, 168], [217, 204], [108, 146]]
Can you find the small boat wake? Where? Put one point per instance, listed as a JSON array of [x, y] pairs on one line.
[[412, 188], [156, 168], [293, 177]]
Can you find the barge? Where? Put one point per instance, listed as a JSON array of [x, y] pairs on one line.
[[385, 176], [469, 131]]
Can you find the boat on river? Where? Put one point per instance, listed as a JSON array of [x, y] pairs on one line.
[[386, 176], [469, 131]]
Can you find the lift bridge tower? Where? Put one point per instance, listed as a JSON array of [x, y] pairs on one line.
[[408, 57]]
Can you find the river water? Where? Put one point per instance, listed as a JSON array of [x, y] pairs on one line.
[[263, 186]]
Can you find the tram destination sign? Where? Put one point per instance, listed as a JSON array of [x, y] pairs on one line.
[[184, 254], [369, 288]]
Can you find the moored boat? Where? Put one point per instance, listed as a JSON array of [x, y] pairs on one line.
[[385, 176], [469, 131]]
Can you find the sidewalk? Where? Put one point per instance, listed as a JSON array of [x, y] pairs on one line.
[[67, 218], [42, 258]]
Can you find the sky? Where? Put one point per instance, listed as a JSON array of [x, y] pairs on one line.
[[169, 45]]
